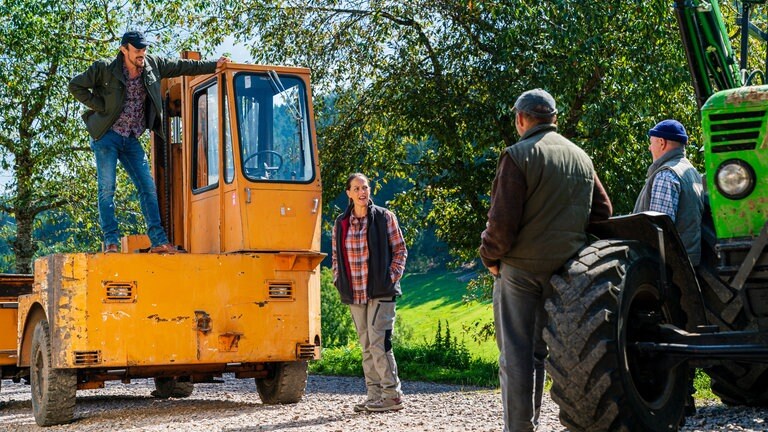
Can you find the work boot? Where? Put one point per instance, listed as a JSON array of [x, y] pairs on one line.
[[166, 249], [386, 404]]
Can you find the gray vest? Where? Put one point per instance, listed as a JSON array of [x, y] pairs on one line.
[[690, 205], [559, 177]]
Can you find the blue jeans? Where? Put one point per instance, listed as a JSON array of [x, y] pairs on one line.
[[519, 317], [108, 150]]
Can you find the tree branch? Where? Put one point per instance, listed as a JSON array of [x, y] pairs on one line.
[[39, 97], [36, 209], [577, 106]]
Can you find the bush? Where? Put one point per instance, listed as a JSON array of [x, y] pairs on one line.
[[341, 361], [336, 321], [445, 359], [443, 351]]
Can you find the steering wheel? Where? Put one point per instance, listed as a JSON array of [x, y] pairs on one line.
[[268, 170]]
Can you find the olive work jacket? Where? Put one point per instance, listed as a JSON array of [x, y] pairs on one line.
[[101, 88]]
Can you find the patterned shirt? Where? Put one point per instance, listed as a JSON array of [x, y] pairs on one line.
[[357, 254], [665, 193], [131, 120]]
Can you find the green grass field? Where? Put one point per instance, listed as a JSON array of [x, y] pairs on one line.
[[437, 296]]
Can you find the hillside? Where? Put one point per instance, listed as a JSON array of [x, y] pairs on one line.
[[437, 295]]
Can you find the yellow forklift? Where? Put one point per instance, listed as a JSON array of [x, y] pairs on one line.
[[239, 189]]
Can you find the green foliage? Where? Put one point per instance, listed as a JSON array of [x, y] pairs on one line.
[[421, 90], [702, 384], [342, 361], [443, 350], [479, 288], [444, 359], [481, 330], [337, 327]]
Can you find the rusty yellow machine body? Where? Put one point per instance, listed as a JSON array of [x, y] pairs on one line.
[[141, 311], [239, 189], [11, 287]]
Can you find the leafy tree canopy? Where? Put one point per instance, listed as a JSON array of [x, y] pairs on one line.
[[422, 90], [43, 143], [418, 91]]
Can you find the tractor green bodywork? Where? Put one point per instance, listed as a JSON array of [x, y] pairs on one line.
[[735, 127]]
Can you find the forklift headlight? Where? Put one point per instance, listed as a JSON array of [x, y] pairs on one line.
[[735, 179]]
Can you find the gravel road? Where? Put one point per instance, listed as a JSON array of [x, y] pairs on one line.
[[234, 406]]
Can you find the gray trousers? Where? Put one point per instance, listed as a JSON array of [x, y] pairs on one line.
[[519, 317], [375, 322]]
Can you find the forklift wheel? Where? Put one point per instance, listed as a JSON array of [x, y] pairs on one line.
[[53, 390], [285, 384], [167, 387]]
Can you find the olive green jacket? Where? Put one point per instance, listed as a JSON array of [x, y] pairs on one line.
[[101, 88]]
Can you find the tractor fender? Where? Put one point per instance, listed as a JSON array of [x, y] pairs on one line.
[[658, 232]]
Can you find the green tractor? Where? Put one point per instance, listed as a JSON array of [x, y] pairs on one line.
[[631, 316]]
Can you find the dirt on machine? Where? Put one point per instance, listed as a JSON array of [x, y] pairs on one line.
[[239, 189]]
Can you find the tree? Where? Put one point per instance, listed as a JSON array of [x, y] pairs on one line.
[[421, 90], [43, 142]]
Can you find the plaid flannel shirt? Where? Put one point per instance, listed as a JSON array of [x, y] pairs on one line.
[[665, 193], [357, 254]]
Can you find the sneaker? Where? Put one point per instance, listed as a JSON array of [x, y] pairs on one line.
[[165, 249], [387, 404], [361, 406]]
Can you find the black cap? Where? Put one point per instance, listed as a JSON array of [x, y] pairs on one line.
[[536, 102], [135, 38]]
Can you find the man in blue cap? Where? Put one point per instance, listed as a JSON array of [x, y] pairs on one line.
[[544, 194], [673, 186], [123, 99]]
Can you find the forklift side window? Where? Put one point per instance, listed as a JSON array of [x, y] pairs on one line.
[[206, 149], [273, 128]]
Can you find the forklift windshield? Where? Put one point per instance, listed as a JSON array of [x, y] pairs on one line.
[[272, 127]]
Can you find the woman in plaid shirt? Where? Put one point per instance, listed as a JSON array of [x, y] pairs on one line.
[[368, 261]]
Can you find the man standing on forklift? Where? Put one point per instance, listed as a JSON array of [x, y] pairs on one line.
[[123, 99]]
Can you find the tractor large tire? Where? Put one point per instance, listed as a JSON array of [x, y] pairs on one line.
[[736, 383], [167, 387], [53, 390], [285, 384], [607, 299]]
